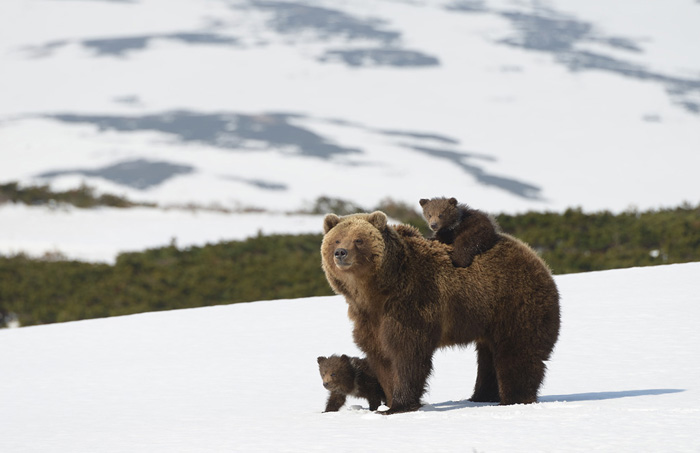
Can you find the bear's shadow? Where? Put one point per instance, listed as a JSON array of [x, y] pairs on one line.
[[592, 396]]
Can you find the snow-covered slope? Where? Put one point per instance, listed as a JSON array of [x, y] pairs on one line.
[[99, 235], [624, 377], [509, 105]]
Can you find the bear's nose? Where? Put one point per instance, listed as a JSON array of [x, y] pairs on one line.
[[433, 226], [341, 254], [325, 384]]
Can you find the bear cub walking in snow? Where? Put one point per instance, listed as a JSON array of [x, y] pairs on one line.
[[469, 231], [344, 376]]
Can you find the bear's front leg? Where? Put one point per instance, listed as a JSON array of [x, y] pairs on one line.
[[411, 346], [335, 402]]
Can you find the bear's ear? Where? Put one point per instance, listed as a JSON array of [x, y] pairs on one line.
[[423, 201], [378, 219], [321, 360], [329, 222], [453, 201]]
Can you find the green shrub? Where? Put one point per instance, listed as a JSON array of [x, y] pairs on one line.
[[82, 197], [48, 290], [260, 268]]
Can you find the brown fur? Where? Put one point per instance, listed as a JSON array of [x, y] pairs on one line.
[[343, 376], [469, 231], [406, 299]]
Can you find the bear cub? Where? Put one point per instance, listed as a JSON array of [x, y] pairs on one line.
[[344, 376], [469, 231]]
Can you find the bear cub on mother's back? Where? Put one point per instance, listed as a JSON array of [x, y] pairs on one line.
[[469, 231], [344, 375]]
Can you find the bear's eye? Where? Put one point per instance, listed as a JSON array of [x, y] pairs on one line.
[[358, 241], [337, 242], [440, 216], [332, 374]]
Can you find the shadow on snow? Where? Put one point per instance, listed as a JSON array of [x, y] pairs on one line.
[[591, 396]]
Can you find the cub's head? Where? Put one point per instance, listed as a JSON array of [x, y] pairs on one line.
[[337, 373], [440, 212], [353, 244]]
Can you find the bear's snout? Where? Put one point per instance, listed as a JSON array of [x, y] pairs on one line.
[[434, 226], [340, 254]]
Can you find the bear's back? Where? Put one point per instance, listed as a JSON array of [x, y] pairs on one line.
[[508, 281]]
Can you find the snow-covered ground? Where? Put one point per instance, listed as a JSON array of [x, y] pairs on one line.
[[624, 377], [99, 235]]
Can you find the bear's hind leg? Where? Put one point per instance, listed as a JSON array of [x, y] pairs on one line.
[[519, 379], [486, 387]]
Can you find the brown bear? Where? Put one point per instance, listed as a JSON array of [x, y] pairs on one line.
[[469, 231], [406, 299], [344, 376]]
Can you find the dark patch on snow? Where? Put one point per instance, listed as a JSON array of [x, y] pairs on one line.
[[44, 50], [128, 100], [420, 136], [259, 183], [119, 47], [274, 131], [139, 174], [548, 31], [560, 36], [461, 159], [469, 6], [691, 106], [293, 18], [380, 57], [221, 130]]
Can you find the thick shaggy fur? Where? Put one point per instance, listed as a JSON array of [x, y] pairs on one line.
[[343, 376], [469, 231], [406, 299]]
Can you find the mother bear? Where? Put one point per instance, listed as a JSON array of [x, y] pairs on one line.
[[406, 299]]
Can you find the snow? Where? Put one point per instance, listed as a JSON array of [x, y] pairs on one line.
[[502, 127], [99, 235], [624, 377], [492, 113]]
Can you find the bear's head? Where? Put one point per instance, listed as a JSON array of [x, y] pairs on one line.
[[440, 213], [337, 373], [353, 244]]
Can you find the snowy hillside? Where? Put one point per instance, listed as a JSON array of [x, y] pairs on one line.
[[510, 105], [624, 377], [99, 235]]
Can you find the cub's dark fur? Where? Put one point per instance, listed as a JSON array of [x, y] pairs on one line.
[[343, 376], [469, 231]]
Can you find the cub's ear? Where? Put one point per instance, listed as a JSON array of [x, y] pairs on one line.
[[329, 222], [321, 360], [423, 201], [378, 219], [453, 200]]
